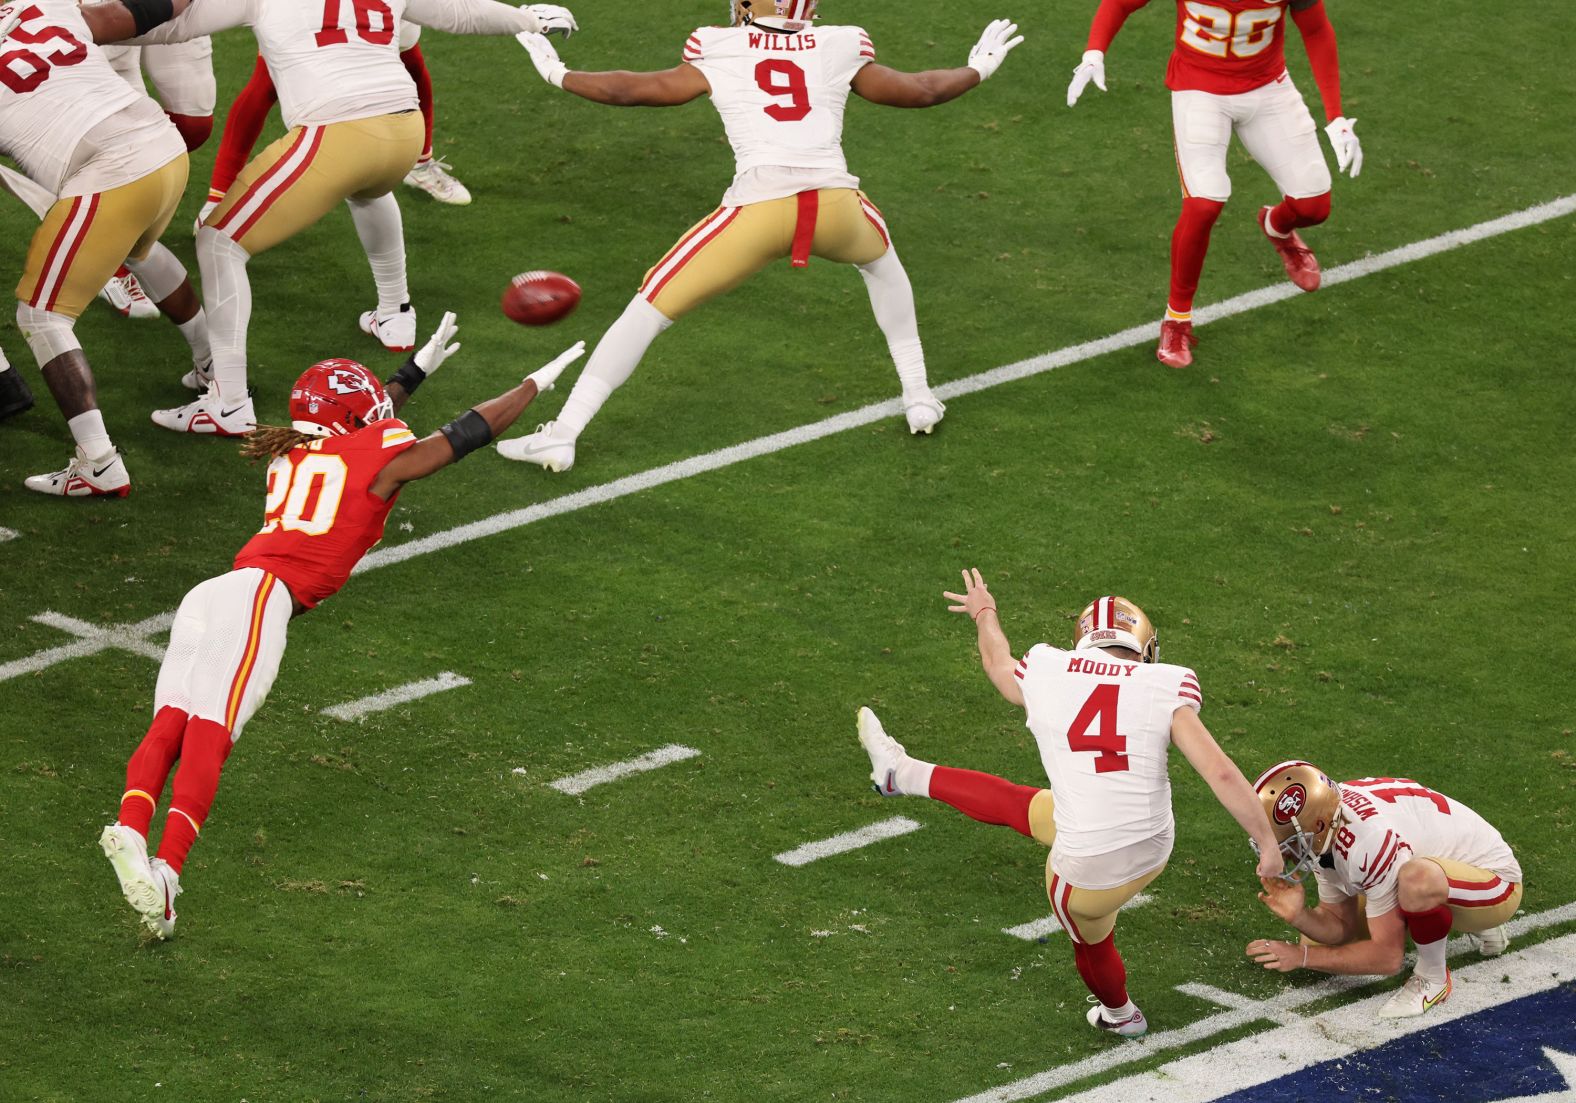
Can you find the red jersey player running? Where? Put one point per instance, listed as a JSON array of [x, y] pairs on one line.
[[1228, 73], [336, 471]]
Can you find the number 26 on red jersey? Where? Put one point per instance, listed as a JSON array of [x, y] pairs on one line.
[[1220, 32]]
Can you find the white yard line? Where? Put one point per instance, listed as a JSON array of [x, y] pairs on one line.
[[1044, 927], [848, 840], [575, 784], [399, 695], [91, 640], [1237, 1015], [805, 434]]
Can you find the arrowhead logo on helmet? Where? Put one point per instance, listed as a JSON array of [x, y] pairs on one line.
[[337, 397]]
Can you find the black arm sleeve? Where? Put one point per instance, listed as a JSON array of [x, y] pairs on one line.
[[148, 14], [467, 433]]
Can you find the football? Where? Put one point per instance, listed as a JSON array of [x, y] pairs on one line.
[[540, 298]]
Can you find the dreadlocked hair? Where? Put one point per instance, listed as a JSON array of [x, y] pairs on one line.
[[269, 442]]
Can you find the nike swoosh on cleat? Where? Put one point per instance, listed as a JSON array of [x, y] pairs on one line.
[[231, 413], [891, 783], [100, 472]]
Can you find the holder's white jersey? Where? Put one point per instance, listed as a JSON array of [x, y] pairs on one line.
[[55, 87], [1104, 729], [1387, 821], [338, 60], [781, 96]]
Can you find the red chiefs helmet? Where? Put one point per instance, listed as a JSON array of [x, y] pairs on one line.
[[336, 397]]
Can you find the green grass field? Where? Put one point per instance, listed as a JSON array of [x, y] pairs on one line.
[[1352, 517]]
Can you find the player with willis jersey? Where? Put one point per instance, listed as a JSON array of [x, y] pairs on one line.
[[1391, 855], [334, 475], [1228, 74], [781, 85], [1105, 716]]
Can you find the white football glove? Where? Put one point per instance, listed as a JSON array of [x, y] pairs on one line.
[[1348, 150], [1091, 68], [10, 16], [551, 19], [438, 349], [544, 378], [545, 58], [993, 47]]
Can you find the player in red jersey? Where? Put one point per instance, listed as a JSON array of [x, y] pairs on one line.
[[334, 474], [1228, 73]]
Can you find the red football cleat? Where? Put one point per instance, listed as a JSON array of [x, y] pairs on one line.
[[1176, 344], [1302, 267]]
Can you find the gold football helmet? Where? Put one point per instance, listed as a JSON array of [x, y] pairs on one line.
[[1304, 808], [745, 12], [1117, 622]]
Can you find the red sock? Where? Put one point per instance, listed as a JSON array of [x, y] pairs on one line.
[[194, 129], [1189, 243], [242, 127], [1293, 214], [149, 768], [1102, 970], [416, 66], [204, 748], [1429, 926], [984, 797]]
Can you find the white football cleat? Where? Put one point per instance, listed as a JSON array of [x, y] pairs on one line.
[[397, 331], [543, 447], [1134, 1026], [127, 852], [104, 477], [1490, 943], [924, 412], [886, 754], [433, 177], [1415, 997], [209, 416], [125, 294], [161, 921], [200, 378]]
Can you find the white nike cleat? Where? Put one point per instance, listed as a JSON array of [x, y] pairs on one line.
[[433, 177], [1134, 1026], [1415, 997], [161, 920], [543, 447], [127, 852], [1490, 943], [924, 413], [104, 477], [886, 754], [209, 416], [397, 331], [125, 294], [200, 378]]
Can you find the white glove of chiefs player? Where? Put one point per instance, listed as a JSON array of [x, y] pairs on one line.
[[544, 378], [437, 349], [993, 47], [545, 58], [1348, 150], [1091, 68], [551, 19]]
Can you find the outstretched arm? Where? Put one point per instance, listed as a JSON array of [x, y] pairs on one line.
[[1318, 38], [490, 17], [1383, 952], [471, 430], [894, 88], [109, 22], [1108, 19], [1225, 780], [995, 651], [667, 88]]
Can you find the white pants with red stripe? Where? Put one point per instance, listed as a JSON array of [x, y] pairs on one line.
[[1274, 126], [225, 647]]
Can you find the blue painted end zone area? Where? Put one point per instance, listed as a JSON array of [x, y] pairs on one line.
[[1493, 1055]]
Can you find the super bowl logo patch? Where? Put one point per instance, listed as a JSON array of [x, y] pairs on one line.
[[1288, 806]]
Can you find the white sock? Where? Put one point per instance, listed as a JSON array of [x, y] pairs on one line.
[[1269, 224], [1117, 1014], [913, 776], [892, 299], [616, 357], [91, 436], [1431, 960], [227, 295], [196, 333], [382, 234]]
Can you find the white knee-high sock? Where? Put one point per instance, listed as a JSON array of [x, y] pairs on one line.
[[382, 234], [227, 295], [892, 299], [36, 196], [614, 361], [162, 274]]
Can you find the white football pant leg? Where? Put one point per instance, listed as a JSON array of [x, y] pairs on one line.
[[382, 234], [892, 300], [1201, 127], [227, 298], [1279, 133], [210, 664], [617, 356]]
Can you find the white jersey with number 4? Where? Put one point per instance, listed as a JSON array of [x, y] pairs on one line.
[[1387, 821], [1104, 730], [781, 97], [338, 60]]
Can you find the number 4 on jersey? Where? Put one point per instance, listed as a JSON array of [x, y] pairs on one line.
[[1100, 711]]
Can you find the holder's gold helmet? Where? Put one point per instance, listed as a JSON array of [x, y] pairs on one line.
[[745, 12], [1304, 808], [1117, 622]]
